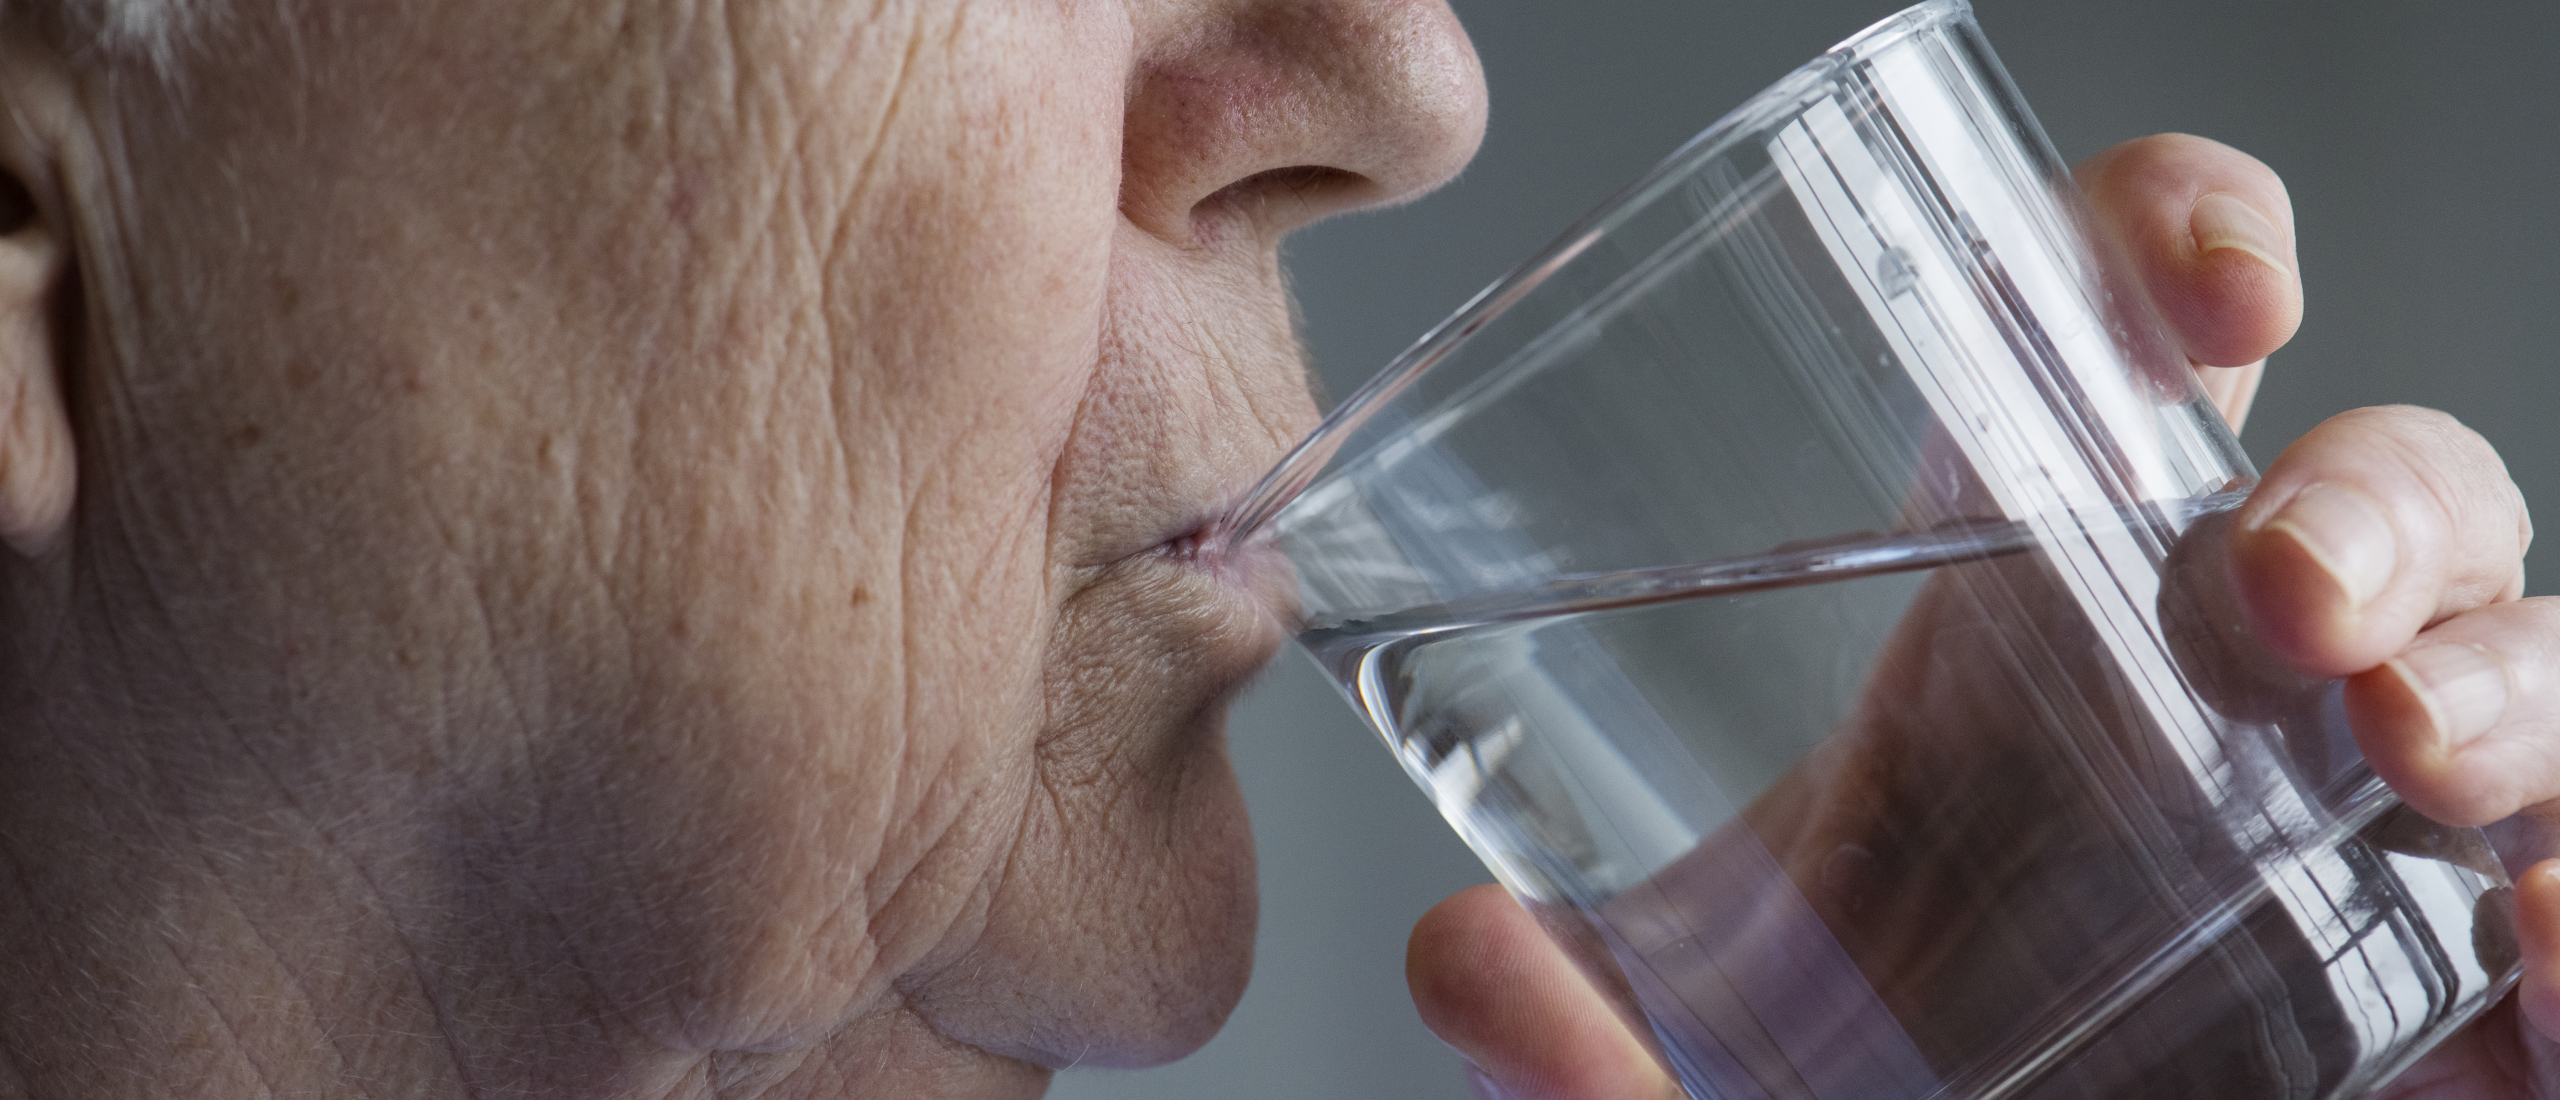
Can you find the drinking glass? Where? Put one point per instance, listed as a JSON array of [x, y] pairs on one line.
[[1802, 585]]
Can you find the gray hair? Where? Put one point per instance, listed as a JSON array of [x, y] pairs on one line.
[[147, 31]]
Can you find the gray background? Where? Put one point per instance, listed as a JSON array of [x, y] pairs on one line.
[[2421, 144]]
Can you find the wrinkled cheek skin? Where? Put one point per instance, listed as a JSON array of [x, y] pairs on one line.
[[1121, 931], [828, 799], [790, 500]]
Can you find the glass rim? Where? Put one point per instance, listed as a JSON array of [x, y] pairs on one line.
[[1311, 455]]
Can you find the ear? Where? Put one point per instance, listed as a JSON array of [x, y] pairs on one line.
[[36, 280]]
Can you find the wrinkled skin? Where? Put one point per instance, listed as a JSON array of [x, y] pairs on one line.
[[622, 547], [638, 548]]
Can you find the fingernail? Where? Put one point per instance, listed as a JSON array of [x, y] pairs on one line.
[[2464, 689], [2221, 221], [2347, 534]]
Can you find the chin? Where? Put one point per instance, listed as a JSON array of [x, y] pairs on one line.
[[1119, 921], [1121, 931], [1183, 961]]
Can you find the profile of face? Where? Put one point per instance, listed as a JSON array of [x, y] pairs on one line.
[[674, 514]]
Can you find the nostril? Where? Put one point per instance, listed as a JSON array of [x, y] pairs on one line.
[[17, 207], [1316, 189], [1299, 179]]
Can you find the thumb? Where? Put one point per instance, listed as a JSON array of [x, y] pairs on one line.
[[1490, 983]]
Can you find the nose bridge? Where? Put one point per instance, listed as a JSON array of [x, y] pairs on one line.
[[1306, 108]]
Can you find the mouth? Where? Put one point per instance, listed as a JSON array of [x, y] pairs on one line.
[[1152, 648], [1240, 561], [1204, 546]]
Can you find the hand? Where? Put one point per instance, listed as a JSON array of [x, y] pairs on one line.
[[2386, 546]]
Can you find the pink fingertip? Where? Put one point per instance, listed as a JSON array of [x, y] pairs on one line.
[[2538, 927]]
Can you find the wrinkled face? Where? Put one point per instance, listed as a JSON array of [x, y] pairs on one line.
[[747, 450]]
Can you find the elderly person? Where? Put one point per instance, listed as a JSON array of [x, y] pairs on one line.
[[640, 549]]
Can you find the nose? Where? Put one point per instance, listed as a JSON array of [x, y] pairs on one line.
[[1265, 115]]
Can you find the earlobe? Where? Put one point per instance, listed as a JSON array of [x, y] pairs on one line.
[[36, 451]]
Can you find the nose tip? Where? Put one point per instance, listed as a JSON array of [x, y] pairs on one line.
[[1424, 99], [1282, 113]]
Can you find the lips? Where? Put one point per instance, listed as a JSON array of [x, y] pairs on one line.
[[1163, 630], [1227, 583]]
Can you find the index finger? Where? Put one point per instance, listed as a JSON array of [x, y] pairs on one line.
[[2208, 231]]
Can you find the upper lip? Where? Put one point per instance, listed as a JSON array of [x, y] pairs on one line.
[[1197, 530]]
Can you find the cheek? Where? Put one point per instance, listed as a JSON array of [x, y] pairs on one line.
[[783, 591], [742, 463], [864, 678]]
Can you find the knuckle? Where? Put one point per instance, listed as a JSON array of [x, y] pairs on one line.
[[2459, 476]]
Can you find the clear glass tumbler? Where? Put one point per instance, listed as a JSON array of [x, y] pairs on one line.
[[1801, 585]]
